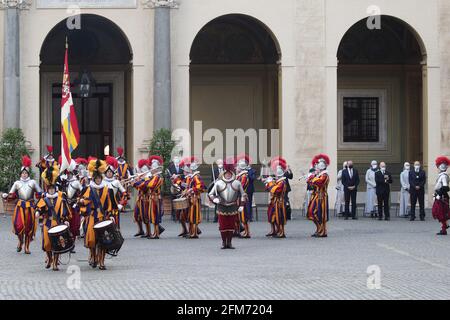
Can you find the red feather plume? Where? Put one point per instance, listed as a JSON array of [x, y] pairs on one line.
[[120, 151], [229, 163], [244, 156], [142, 162], [320, 156], [26, 161], [91, 158], [50, 149], [111, 161], [442, 159], [278, 161], [81, 161], [157, 158]]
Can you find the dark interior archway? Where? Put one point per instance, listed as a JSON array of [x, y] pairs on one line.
[[235, 61], [98, 51], [380, 94]]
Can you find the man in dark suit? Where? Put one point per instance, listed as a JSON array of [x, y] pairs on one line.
[[174, 167], [417, 180], [383, 180], [251, 187], [288, 175], [350, 181]]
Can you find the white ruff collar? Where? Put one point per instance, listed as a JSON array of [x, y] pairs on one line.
[[25, 180], [322, 173], [52, 196], [92, 184]]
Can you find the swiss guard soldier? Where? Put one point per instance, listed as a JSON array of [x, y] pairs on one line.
[[440, 208], [120, 194], [276, 186], [73, 189], [123, 168], [96, 206], [318, 203], [154, 185], [195, 187], [24, 222], [54, 208], [142, 200], [46, 161], [229, 195], [81, 171], [178, 189], [243, 176]]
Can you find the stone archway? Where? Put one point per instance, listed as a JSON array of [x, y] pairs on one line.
[[382, 95], [241, 84], [100, 51]]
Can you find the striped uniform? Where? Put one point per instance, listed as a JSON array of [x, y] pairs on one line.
[[318, 204]]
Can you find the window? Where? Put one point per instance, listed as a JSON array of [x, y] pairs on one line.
[[361, 119]]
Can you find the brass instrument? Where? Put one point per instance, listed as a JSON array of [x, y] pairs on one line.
[[132, 179]]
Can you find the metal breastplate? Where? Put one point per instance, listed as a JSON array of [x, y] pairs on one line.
[[228, 191], [25, 189], [442, 180]]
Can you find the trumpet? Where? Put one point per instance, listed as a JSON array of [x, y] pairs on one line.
[[131, 179]]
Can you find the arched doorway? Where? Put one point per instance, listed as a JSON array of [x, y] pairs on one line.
[[100, 55], [234, 76], [381, 95]]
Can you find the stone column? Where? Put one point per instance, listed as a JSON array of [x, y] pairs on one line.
[[162, 91]]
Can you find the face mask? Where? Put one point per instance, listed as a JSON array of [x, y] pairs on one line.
[[383, 169], [350, 166], [374, 166], [220, 166], [407, 167], [176, 162], [417, 168], [321, 166], [280, 172]]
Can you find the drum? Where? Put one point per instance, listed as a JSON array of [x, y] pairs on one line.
[[61, 239], [180, 203], [108, 237]]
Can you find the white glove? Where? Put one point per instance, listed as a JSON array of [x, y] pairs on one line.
[[37, 214], [112, 219], [4, 195], [74, 206], [269, 179], [67, 223], [216, 200], [241, 208], [438, 197], [120, 207]]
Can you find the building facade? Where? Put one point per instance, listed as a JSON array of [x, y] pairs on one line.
[[348, 78]]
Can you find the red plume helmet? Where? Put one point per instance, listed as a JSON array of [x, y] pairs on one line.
[[26, 161], [120, 151], [81, 161], [318, 157], [244, 156], [142, 162], [49, 149], [442, 159], [278, 161], [185, 162], [229, 163], [157, 158], [111, 161]]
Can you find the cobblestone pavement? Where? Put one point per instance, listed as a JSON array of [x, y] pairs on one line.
[[413, 262]]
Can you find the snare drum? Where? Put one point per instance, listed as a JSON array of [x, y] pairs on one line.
[[61, 239], [108, 237], [180, 204]]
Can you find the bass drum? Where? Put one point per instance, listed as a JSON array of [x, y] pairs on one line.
[[108, 237], [61, 239]]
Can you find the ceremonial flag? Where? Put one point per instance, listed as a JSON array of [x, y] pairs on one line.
[[70, 136]]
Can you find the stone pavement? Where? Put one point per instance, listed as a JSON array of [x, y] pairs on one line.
[[413, 262]]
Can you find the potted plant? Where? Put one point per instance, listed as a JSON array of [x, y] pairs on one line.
[[12, 148], [162, 145]]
